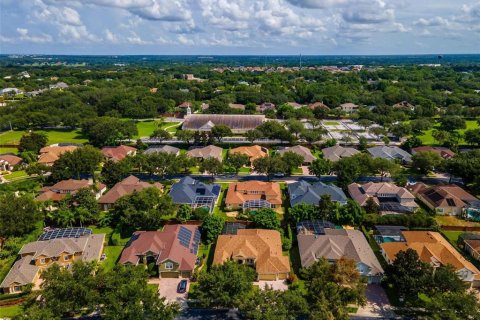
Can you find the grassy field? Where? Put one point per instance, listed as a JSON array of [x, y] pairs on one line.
[[331, 123], [8, 150], [454, 221], [453, 235], [16, 174], [10, 311], [146, 128], [54, 136], [112, 253], [427, 138]]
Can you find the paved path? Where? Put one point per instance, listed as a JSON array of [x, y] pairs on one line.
[[378, 306]]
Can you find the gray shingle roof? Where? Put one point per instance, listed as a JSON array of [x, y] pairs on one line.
[[304, 192], [187, 190], [167, 149], [390, 153], [335, 244], [337, 152], [307, 155], [234, 122]]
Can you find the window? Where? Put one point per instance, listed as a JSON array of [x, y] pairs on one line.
[[168, 265], [66, 258], [17, 288], [42, 261]]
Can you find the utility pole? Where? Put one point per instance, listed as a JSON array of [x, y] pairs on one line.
[[300, 61]]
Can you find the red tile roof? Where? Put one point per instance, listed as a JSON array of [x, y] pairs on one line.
[[118, 153], [125, 187]]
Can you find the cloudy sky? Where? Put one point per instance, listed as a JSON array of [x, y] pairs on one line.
[[315, 27]]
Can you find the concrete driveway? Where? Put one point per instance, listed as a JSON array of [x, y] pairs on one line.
[[377, 305], [280, 285], [168, 288]]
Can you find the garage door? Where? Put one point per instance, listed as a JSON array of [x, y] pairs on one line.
[[169, 275], [282, 276], [267, 277]]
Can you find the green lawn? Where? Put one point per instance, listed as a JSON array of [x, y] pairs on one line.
[[112, 253], [427, 138], [8, 150], [331, 123], [54, 136], [10, 311], [453, 235], [244, 170], [146, 128], [454, 221], [16, 174]]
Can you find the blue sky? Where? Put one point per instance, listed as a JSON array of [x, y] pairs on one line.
[[274, 27]]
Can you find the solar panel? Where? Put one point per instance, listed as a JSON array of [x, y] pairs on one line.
[[216, 189], [184, 236], [314, 226], [64, 233]]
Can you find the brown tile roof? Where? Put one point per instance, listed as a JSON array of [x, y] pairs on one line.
[[118, 153], [445, 153], [240, 192], [11, 159], [316, 105], [125, 187], [165, 244], [253, 152], [361, 193], [264, 246], [474, 244], [431, 247], [207, 152], [446, 196], [60, 190], [49, 155]]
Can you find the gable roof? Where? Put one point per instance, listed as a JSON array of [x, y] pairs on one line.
[[337, 152], [207, 152], [165, 244], [265, 246], [335, 244], [430, 246], [187, 190], [165, 148], [51, 154], [304, 192], [24, 271], [390, 153], [307, 155], [443, 152], [127, 186], [60, 189], [118, 153], [253, 152], [11, 159], [234, 122]]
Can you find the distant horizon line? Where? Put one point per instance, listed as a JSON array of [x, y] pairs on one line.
[[241, 55]]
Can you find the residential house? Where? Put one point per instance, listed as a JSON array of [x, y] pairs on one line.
[[449, 200], [388, 233], [195, 193], [58, 85], [336, 244], [318, 105], [125, 187], [338, 152], [434, 249], [295, 105], [118, 153], [48, 155], [307, 155], [253, 194], [265, 106], [253, 152], [34, 257], [389, 197], [348, 107], [443, 152], [206, 152], [390, 153], [404, 105], [8, 162], [173, 250], [238, 123], [63, 188], [258, 248], [184, 105], [165, 148], [304, 192]]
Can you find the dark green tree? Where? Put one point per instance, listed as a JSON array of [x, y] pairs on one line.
[[221, 131], [237, 161], [265, 218], [292, 161], [212, 227], [18, 215], [320, 167], [32, 142]]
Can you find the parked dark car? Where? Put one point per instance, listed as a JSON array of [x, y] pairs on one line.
[[182, 286]]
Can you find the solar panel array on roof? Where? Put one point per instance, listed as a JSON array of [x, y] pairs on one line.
[[216, 189], [184, 236], [196, 242], [64, 233], [314, 226]]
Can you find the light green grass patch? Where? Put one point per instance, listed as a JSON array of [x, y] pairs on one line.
[[54, 136], [454, 221], [10, 311], [8, 150], [146, 128], [331, 123], [16, 174], [453, 235], [244, 170]]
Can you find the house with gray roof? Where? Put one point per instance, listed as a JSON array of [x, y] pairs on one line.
[[206, 152], [165, 148], [336, 244], [307, 155], [34, 257], [390, 153], [195, 193], [338, 152], [238, 123], [304, 192]]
